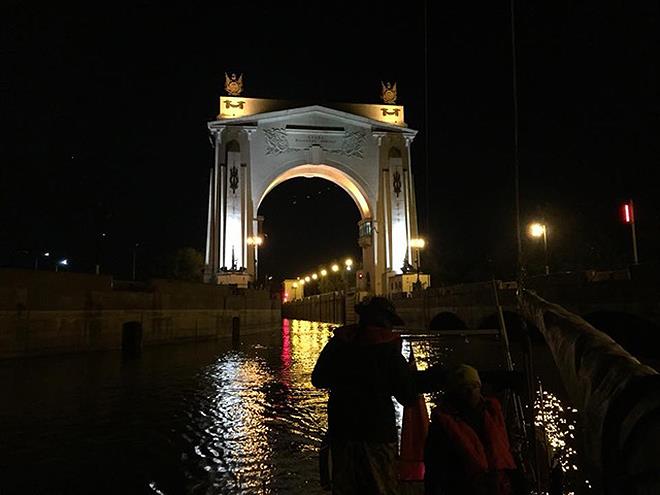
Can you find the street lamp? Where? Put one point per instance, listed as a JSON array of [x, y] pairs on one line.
[[62, 262], [349, 264], [255, 241], [335, 267], [418, 244], [36, 259], [537, 230], [629, 218]]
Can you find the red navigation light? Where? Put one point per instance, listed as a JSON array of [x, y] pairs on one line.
[[627, 213]]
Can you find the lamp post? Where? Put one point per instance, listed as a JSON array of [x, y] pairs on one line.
[[629, 218], [36, 259], [348, 264], [418, 244], [255, 241], [135, 246], [62, 262], [537, 230]]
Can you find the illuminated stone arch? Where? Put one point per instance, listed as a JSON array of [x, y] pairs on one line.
[[333, 173], [365, 151]]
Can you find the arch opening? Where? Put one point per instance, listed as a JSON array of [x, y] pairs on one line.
[[332, 174], [446, 321], [307, 224]]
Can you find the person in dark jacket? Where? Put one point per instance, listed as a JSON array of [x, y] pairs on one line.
[[467, 448], [363, 368]]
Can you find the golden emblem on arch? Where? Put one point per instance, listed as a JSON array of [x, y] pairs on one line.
[[233, 84], [388, 93]]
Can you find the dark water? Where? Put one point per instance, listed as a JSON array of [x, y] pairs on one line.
[[200, 418]]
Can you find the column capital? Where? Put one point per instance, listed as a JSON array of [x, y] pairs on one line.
[[379, 135], [216, 130], [250, 131]]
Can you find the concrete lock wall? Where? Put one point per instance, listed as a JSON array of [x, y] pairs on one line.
[[328, 308], [46, 312]]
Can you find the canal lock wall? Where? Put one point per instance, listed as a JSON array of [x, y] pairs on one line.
[[330, 307], [45, 313]]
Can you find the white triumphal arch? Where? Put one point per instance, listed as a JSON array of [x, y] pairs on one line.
[[365, 149]]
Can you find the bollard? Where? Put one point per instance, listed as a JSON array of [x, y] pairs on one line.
[[131, 338], [236, 330]]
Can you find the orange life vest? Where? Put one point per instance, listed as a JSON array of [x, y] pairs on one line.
[[490, 456]]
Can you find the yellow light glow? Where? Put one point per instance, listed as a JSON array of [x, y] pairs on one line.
[[315, 276], [302, 282], [335, 267], [324, 272], [307, 279], [536, 229], [417, 243], [295, 286], [255, 240], [348, 262]]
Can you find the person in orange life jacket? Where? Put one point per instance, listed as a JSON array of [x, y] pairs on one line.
[[467, 449], [363, 368]]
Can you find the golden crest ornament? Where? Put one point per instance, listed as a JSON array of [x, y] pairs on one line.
[[388, 93], [233, 84]]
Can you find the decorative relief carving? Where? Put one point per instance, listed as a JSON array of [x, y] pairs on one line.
[[388, 93], [233, 179], [233, 84], [238, 104], [276, 141], [396, 183], [387, 112], [350, 143]]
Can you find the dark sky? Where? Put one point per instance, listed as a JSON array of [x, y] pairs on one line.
[[104, 110]]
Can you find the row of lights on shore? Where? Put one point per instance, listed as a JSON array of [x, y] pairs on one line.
[[348, 265]]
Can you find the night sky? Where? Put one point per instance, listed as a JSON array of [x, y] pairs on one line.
[[104, 110]]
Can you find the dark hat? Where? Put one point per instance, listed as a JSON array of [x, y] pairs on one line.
[[377, 309]]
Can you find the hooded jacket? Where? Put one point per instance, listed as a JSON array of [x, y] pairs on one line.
[[363, 367]]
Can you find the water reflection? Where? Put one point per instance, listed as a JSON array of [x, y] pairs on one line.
[[261, 417], [202, 418]]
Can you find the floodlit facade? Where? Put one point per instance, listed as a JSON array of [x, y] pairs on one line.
[[364, 149]]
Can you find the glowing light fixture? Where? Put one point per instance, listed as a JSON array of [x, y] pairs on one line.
[[537, 229], [324, 272], [255, 240], [418, 243], [335, 267], [315, 276]]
